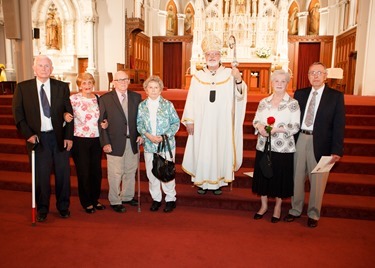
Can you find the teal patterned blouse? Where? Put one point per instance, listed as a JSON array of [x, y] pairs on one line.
[[167, 123]]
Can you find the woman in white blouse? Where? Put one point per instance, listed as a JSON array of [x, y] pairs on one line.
[[87, 152], [156, 117], [286, 112]]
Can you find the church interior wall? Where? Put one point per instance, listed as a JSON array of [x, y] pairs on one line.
[[99, 26]]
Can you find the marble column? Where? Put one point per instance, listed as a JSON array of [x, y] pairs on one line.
[[90, 22]]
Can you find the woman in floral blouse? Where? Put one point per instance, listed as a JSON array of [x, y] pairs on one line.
[[87, 152], [285, 110], [156, 117]]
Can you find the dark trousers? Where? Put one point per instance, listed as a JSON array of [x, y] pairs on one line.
[[87, 155], [49, 157]]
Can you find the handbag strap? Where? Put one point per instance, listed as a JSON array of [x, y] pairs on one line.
[[165, 137], [161, 145], [267, 148]]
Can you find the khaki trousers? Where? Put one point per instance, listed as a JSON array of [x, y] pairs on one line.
[[304, 163], [121, 175]]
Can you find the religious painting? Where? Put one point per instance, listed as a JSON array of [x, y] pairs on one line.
[[314, 17], [189, 20], [171, 19], [293, 19]]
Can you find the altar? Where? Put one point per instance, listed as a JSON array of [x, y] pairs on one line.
[[256, 75]]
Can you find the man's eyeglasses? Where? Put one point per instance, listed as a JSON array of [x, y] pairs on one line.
[[318, 73], [122, 80]]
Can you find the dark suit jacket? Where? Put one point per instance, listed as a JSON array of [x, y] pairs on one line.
[[329, 124], [115, 134], [26, 111]]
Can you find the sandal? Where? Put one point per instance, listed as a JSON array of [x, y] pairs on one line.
[[218, 192], [202, 191]]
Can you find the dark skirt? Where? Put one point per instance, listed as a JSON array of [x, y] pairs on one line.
[[281, 184]]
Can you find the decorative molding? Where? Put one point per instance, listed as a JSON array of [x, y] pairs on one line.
[[176, 38], [311, 38]]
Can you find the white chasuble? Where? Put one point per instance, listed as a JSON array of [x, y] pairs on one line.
[[215, 150]]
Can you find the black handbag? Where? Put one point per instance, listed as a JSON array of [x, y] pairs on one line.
[[162, 168], [265, 162]]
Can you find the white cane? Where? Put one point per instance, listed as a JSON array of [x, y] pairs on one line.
[[33, 210], [139, 178]]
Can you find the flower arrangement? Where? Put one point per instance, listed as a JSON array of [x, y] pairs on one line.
[[270, 121], [263, 52]]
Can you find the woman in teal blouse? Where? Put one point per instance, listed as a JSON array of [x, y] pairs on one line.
[[156, 117]]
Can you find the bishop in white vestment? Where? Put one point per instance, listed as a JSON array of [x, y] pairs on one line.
[[214, 114]]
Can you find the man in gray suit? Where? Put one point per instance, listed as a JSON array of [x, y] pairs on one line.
[[39, 105], [321, 134], [119, 140]]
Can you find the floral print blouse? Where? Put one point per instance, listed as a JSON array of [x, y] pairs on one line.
[[86, 116], [287, 115]]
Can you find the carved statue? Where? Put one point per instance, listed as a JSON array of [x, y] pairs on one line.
[[52, 29]]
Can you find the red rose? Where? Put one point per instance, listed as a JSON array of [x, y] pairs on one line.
[[271, 120]]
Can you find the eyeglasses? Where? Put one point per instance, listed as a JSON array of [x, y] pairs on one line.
[[122, 80], [212, 54], [318, 73]]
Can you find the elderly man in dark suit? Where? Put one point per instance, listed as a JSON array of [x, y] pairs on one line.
[[119, 140], [321, 134], [38, 108]]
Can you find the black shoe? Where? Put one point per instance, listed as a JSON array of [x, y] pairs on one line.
[[155, 206], [41, 217], [118, 208], [90, 210], [312, 223], [99, 206], [132, 202], [274, 219], [202, 191], [65, 213], [290, 218], [170, 206], [258, 216]]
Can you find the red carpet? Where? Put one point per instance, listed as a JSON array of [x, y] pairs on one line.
[[204, 231], [188, 237]]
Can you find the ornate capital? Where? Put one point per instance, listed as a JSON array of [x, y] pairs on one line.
[[90, 19]]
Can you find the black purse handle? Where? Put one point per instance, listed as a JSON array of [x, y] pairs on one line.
[[162, 147]]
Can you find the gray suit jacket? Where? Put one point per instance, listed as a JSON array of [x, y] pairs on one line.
[[116, 133]]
